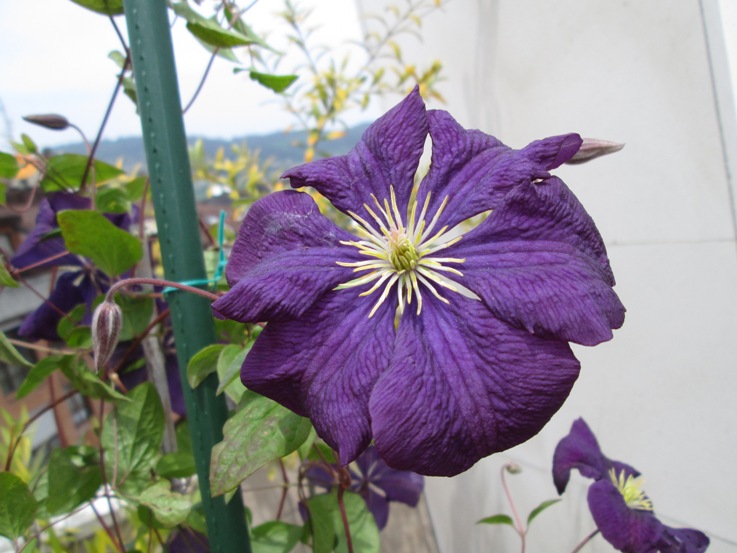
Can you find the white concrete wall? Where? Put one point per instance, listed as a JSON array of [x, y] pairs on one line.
[[662, 395]]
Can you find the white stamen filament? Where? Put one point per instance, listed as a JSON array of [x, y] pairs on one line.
[[400, 254]]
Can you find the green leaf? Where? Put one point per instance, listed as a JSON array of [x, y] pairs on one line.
[[65, 171], [29, 144], [74, 477], [92, 235], [304, 449], [86, 382], [17, 506], [229, 371], [176, 465], [8, 166], [72, 331], [169, 508], [260, 431], [135, 189], [277, 83], [112, 200], [3, 191], [361, 523], [133, 433], [136, 315], [9, 354], [497, 519], [203, 364], [38, 373], [540, 508], [5, 278], [104, 7], [210, 32], [275, 536]]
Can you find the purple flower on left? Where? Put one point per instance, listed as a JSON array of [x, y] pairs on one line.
[[74, 287], [441, 344], [620, 508]]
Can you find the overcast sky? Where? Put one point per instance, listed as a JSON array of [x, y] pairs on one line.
[[54, 59]]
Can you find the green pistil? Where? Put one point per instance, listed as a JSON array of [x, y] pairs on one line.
[[404, 256], [629, 487]]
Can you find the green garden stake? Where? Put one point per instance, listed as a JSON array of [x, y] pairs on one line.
[[173, 197]]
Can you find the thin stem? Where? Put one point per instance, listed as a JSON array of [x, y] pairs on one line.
[[518, 522], [36, 347], [105, 527], [39, 263], [158, 282], [116, 526], [285, 489], [344, 518], [63, 439], [586, 540], [202, 81]]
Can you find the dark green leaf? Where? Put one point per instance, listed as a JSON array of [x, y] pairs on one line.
[[112, 200], [321, 509], [136, 315], [9, 354], [135, 188], [133, 433], [86, 382], [3, 191], [203, 364], [260, 431], [74, 477], [497, 519], [38, 373], [8, 166], [65, 171], [17, 506], [540, 508], [277, 83], [104, 7], [275, 536], [5, 278], [176, 465], [170, 508], [92, 235]]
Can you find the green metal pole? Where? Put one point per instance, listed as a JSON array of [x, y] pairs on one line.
[[173, 197]]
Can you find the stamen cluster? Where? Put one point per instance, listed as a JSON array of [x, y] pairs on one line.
[[401, 253], [629, 487]]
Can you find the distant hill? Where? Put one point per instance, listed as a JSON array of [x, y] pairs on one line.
[[281, 147]]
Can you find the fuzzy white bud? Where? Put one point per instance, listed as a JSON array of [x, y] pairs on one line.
[[593, 148]]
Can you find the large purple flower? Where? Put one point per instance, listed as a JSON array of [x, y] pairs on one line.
[[621, 510], [443, 347]]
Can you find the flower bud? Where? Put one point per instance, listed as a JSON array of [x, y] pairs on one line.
[[593, 148], [48, 120], [106, 324], [513, 468]]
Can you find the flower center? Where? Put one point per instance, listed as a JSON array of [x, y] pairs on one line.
[[629, 487], [401, 254]]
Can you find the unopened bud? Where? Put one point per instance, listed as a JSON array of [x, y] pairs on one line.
[[513, 468], [48, 120], [106, 324], [593, 148]]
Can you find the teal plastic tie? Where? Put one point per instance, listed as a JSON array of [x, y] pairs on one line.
[[213, 282]]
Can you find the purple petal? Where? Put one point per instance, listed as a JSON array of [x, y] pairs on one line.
[[398, 485], [539, 264], [683, 540], [38, 246], [628, 530], [280, 222], [71, 289], [579, 450], [463, 385], [378, 505], [186, 540], [387, 155], [286, 284], [475, 170], [325, 364]]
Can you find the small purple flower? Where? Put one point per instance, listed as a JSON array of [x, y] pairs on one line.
[[441, 344], [621, 510], [376, 482]]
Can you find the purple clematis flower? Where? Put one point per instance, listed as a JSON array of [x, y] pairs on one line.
[[621, 510], [442, 344], [376, 482]]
